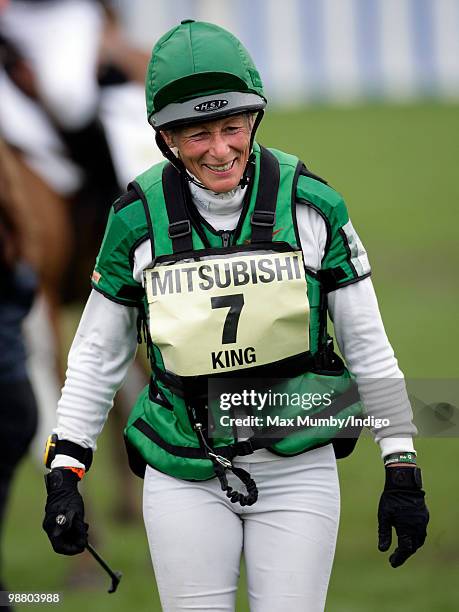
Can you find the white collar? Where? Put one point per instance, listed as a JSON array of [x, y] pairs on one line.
[[220, 204]]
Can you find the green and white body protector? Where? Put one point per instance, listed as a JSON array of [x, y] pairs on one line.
[[187, 332]]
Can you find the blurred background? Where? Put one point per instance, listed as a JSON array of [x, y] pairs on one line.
[[366, 92]]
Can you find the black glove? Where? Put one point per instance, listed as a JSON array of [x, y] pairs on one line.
[[402, 506], [69, 533]]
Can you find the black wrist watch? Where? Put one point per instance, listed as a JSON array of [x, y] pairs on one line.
[[54, 447]]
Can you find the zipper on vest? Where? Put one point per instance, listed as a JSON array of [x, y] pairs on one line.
[[226, 237]]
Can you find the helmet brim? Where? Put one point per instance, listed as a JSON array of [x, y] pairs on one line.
[[206, 108]]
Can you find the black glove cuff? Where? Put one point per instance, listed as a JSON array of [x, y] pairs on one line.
[[403, 478], [61, 478]]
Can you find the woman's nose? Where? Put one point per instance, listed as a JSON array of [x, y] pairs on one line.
[[219, 147]]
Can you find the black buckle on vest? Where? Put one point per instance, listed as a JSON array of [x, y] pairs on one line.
[[330, 278], [179, 229], [263, 218]]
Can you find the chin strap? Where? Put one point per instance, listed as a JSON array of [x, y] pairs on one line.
[[175, 161], [246, 176], [180, 166]]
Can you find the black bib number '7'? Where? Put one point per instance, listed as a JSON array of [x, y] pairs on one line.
[[235, 303]]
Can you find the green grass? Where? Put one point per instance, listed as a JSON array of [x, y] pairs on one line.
[[397, 169]]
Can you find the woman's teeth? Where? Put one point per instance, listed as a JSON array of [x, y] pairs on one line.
[[222, 168]]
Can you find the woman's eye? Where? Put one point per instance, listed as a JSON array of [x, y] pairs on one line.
[[232, 129], [198, 135]]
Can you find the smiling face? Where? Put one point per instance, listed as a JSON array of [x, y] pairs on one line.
[[215, 152]]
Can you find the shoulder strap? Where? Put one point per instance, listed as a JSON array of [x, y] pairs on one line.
[[128, 197], [264, 214], [306, 172], [179, 222], [136, 188]]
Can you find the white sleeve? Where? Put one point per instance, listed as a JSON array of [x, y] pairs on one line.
[[363, 342], [102, 350]]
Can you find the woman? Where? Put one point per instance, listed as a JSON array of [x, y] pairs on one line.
[[228, 257]]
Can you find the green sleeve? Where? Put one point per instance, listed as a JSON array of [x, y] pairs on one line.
[[113, 272], [345, 260]]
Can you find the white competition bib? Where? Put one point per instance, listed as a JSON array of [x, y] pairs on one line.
[[228, 311]]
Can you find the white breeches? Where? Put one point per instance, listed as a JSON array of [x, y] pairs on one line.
[[196, 536]]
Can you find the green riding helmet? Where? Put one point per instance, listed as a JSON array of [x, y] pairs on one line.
[[199, 71]]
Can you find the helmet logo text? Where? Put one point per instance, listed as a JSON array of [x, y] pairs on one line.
[[210, 105]]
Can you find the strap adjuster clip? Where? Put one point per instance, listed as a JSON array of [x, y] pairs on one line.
[[226, 463], [179, 229], [263, 218]]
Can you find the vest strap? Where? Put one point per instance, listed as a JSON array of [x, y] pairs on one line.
[[194, 388], [263, 218], [264, 214], [134, 185], [240, 448], [179, 230]]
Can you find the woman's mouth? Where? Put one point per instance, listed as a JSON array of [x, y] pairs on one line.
[[221, 168]]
